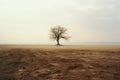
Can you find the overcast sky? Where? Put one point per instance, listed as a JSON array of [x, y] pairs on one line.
[[29, 21]]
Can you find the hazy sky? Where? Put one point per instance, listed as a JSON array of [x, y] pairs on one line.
[[29, 21]]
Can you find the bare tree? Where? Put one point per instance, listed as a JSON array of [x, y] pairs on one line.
[[57, 33]]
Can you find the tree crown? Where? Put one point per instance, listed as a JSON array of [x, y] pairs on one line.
[[58, 32]]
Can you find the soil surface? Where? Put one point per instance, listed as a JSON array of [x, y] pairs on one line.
[[59, 64]]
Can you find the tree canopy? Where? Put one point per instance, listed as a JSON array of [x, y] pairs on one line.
[[57, 33]]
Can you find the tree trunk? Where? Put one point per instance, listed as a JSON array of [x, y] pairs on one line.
[[58, 42]]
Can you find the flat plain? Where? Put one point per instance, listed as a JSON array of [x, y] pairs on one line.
[[48, 62]]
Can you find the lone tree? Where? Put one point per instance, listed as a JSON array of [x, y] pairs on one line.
[[57, 33]]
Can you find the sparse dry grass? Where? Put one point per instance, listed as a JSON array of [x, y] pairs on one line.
[[59, 63]]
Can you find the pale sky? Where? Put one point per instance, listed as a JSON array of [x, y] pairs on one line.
[[29, 21]]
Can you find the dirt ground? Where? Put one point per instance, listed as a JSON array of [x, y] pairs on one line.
[[59, 63]]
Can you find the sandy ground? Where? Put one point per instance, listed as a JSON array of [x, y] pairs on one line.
[[46, 62], [90, 47]]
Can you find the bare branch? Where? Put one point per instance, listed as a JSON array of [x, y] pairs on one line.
[[57, 33]]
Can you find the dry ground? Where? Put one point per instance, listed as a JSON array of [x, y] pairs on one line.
[[59, 63]]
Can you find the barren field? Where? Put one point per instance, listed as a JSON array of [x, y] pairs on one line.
[[59, 62]]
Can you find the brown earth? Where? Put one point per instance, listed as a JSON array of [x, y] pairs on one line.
[[17, 63]]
